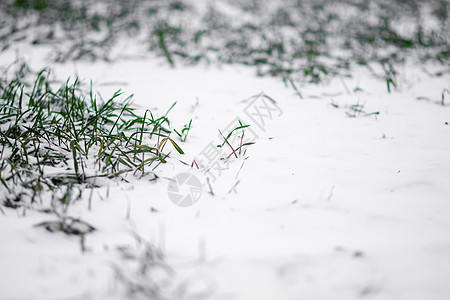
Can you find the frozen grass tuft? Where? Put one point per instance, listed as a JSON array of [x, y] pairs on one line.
[[55, 137]]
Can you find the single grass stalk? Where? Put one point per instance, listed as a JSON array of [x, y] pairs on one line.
[[389, 76], [184, 132], [162, 43], [297, 91], [445, 91]]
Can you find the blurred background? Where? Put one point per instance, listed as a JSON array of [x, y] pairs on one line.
[[306, 40]]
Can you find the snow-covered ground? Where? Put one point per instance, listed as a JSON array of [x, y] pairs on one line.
[[328, 204]]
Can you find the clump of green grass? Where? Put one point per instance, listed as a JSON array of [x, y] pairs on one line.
[[53, 137]]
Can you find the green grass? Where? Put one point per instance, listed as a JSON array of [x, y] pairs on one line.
[[444, 92], [390, 75], [236, 150], [54, 137], [355, 110], [184, 132], [308, 41]]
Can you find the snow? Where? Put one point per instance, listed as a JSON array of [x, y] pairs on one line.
[[326, 206]]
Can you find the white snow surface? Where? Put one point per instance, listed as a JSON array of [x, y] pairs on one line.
[[327, 206]]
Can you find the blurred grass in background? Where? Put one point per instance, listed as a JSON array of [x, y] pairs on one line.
[[298, 40]]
